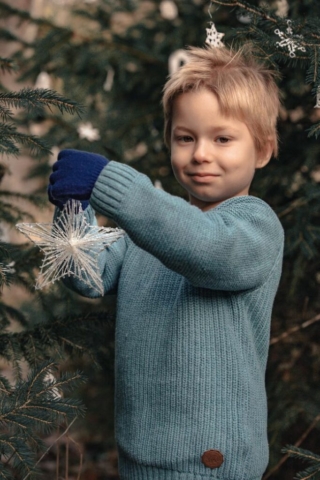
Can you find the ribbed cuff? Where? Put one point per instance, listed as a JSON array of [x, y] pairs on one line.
[[134, 471], [111, 187]]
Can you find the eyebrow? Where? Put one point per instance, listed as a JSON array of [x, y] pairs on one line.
[[218, 128]]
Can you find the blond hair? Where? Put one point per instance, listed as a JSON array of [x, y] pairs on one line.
[[245, 89]]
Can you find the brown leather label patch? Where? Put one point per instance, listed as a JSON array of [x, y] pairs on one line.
[[212, 458]]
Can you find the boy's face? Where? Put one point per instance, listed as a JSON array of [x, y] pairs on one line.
[[213, 157]]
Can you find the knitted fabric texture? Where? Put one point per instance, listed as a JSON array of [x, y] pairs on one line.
[[74, 176], [194, 297]]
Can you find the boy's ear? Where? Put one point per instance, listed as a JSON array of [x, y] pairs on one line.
[[265, 155]]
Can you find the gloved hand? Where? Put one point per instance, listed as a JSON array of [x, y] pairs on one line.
[[74, 176]]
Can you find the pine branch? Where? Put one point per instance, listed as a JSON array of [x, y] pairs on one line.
[[306, 456], [49, 448], [296, 445], [35, 405], [12, 214], [295, 329], [5, 387], [7, 65], [34, 99], [301, 454], [17, 455], [247, 7], [7, 313], [6, 10], [79, 335], [7, 36], [314, 130], [9, 137], [33, 199], [5, 114]]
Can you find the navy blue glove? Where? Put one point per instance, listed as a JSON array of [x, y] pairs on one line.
[[74, 176]]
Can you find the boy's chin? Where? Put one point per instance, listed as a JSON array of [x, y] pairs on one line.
[[204, 203]]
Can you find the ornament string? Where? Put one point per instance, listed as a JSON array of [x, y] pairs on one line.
[[213, 37]]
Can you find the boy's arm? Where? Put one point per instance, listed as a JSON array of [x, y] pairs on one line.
[[109, 263], [231, 247]]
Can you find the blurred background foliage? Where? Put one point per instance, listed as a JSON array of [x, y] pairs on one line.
[[112, 58]]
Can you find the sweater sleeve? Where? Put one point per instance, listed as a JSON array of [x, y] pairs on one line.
[[109, 263], [231, 247]]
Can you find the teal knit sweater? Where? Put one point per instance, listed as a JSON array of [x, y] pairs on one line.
[[194, 297]]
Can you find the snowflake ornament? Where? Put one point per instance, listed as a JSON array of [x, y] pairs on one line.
[[214, 37], [86, 130], [289, 40], [70, 246], [177, 59], [43, 81]]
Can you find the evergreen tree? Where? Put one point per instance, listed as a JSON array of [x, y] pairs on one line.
[[114, 59], [33, 401]]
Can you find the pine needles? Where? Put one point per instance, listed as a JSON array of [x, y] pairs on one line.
[[30, 406], [30, 100], [313, 471], [33, 406]]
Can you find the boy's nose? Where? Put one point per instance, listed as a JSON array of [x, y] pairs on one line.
[[202, 153]]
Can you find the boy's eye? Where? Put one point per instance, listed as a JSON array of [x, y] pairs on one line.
[[223, 139], [184, 138]]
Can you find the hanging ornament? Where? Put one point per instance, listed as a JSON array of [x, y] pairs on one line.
[[176, 60], [283, 8], [244, 17], [214, 37], [86, 130], [70, 246], [168, 10], [290, 40], [43, 81], [109, 80]]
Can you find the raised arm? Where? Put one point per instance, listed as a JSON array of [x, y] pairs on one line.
[[73, 177], [231, 247]]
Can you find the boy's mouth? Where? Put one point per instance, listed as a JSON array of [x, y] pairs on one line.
[[203, 174]]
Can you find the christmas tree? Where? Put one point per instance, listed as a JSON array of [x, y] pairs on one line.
[[35, 343], [114, 59]]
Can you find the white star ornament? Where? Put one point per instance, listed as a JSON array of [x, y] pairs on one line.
[[70, 246]]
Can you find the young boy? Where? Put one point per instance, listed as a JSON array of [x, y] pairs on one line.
[[195, 281]]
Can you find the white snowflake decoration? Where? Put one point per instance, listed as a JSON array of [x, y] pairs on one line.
[[43, 81], [177, 59], [86, 130], [289, 40], [70, 246], [214, 37]]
